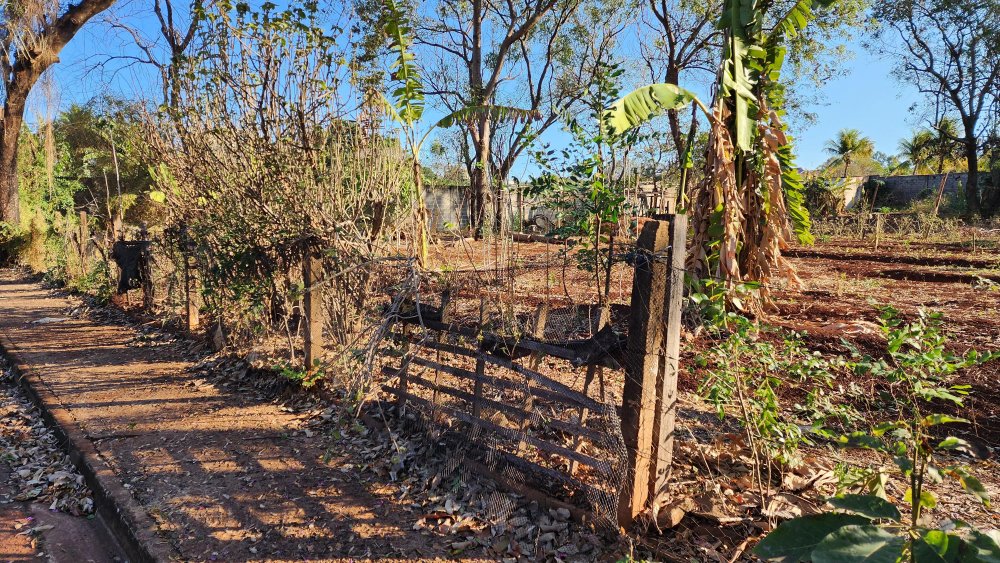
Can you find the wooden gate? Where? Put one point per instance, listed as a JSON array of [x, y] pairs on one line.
[[573, 445]]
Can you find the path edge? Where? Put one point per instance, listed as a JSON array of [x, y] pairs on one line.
[[119, 513]]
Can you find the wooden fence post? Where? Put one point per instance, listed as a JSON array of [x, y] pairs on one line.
[[191, 294], [312, 275], [190, 280], [649, 398], [879, 221], [592, 370], [146, 264], [84, 242]]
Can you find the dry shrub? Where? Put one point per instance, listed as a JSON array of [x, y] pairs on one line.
[[270, 151]]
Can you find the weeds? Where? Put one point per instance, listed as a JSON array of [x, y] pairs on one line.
[[864, 525], [745, 375]]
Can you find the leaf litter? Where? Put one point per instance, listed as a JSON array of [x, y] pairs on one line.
[[40, 470]]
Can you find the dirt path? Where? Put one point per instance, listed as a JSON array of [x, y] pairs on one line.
[[224, 476]]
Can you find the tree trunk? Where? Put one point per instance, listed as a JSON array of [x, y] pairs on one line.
[[10, 210], [481, 177], [673, 77], [972, 180], [421, 230]]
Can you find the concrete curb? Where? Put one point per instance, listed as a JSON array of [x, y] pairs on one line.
[[125, 521]]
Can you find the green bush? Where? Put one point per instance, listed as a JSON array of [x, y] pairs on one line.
[[865, 526]]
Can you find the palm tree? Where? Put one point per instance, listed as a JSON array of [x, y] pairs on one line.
[[848, 145], [943, 142], [916, 150]]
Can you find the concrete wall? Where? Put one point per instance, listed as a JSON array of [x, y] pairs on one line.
[[449, 205], [902, 190], [852, 190]]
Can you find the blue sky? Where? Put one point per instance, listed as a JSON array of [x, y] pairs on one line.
[[866, 97]]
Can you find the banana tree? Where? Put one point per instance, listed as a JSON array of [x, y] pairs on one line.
[[749, 204], [406, 106]]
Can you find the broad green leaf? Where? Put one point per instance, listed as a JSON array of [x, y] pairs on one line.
[[986, 544], [953, 443], [859, 544], [861, 440], [867, 505], [937, 546], [409, 96], [158, 196], [794, 540], [794, 20], [792, 185], [643, 104], [974, 486], [881, 429], [936, 419], [927, 500]]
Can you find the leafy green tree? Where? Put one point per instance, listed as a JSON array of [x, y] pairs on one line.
[[585, 181], [848, 146], [407, 108], [685, 43], [950, 51], [480, 44], [31, 36], [943, 143]]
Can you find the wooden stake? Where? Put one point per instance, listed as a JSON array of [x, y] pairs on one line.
[[649, 397], [666, 407], [538, 332], [878, 228], [84, 242], [312, 275], [190, 281], [592, 370]]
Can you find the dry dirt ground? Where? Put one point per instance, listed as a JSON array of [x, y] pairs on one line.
[[710, 511], [230, 474], [844, 283]]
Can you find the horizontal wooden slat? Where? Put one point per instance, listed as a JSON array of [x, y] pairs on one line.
[[558, 476], [568, 428], [507, 433], [508, 343], [500, 383], [577, 398]]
